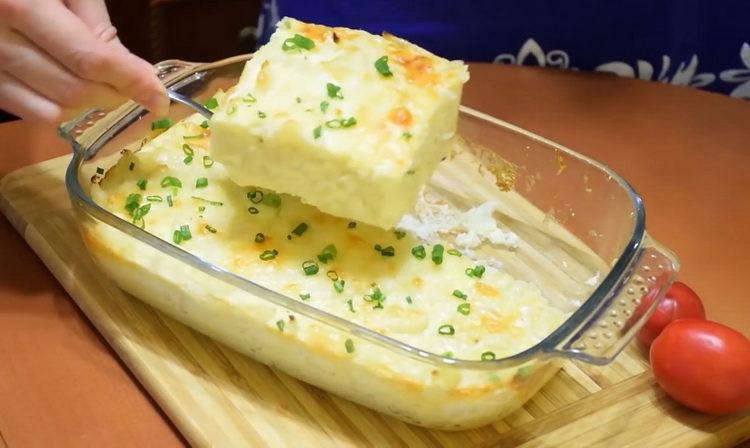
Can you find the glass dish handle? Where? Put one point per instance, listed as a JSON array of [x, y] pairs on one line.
[[612, 325], [81, 131]]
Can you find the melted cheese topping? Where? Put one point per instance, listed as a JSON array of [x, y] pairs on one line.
[[362, 273], [322, 123]]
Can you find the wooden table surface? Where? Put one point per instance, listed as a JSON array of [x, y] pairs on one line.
[[686, 152]]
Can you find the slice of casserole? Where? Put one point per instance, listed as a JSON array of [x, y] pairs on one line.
[[349, 122]]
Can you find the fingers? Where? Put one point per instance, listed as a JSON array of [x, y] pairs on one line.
[[23, 60], [68, 39], [94, 14], [21, 101]]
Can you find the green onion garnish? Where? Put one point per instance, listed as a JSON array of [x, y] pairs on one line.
[[249, 98], [261, 114], [447, 354], [280, 325], [349, 344], [164, 123], [204, 125], [310, 267], [170, 181], [141, 183], [406, 135], [488, 356], [271, 199], [418, 252], [99, 170], [460, 294], [381, 65], [298, 42], [324, 106], [464, 308], [193, 137], [399, 234], [300, 229], [408, 300], [131, 167], [188, 150], [201, 182], [375, 296], [211, 103], [454, 252], [154, 198], [388, 251], [305, 296], [328, 254], [378, 247], [341, 123], [169, 200], [232, 109], [187, 160], [140, 212], [201, 208], [477, 271], [253, 210], [268, 254], [437, 254], [208, 162], [334, 91], [410, 172], [317, 132], [351, 305], [259, 237], [182, 234], [210, 228], [351, 225], [132, 202], [255, 196], [298, 100], [333, 275], [208, 201], [446, 329], [338, 285]]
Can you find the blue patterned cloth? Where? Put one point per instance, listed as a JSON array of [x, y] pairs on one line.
[[698, 43]]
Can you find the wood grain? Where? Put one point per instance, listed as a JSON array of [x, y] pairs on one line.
[[220, 398]]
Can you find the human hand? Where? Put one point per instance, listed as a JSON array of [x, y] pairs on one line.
[[60, 56]]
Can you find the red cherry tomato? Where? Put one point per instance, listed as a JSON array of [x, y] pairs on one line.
[[703, 365], [680, 302]]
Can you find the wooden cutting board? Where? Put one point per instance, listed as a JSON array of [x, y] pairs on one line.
[[217, 397]]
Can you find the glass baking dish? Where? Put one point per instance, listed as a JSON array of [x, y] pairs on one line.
[[584, 245]]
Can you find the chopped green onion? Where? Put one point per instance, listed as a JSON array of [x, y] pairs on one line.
[[259, 237], [169, 200], [140, 212], [204, 125], [388, 251], [208, 201], [132, 202], [410, 172], [99, 170], [310, 267], [182, 234], [328, 254], [351, 305], [298, 42], [305, 296], [349, 344], [141, 183], [447, 330], [210, 228], [408, 300], [460, 294], [406, 135], [317, 132], [477, 271], [378, 247], [300, 229], [261, 114], [454, 252], [280, 325], [375, 296], [187, 149], [255, 196], [164, 123], [130, 167], [381, 65], [267, 255], [187, 160], [399, 234], [211, 103], [201, 208], [208, 162], [249, 98], [437, 254], [232, 109], [170, 181], [338, 285], [341, 123], [418, 252], [154, 198], [334, 91], [448, 354], [333, 275], [464, 308], [271, 199], [193, 137], [324, 106], [201, 182], [298, 100], [351, 225], [488, 356], [253, 210]]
